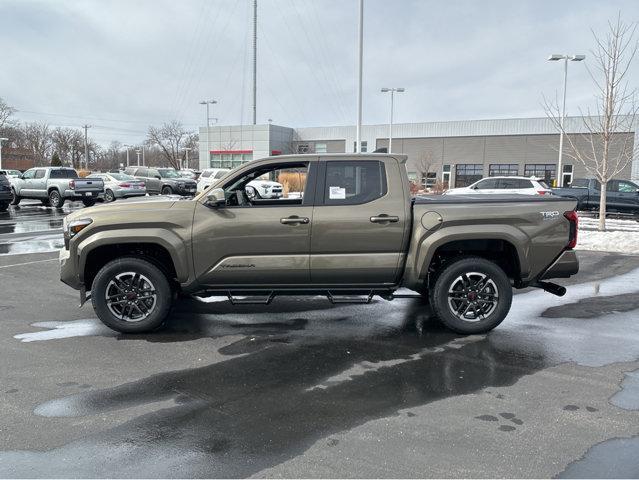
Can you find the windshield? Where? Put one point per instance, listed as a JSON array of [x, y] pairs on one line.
[[168, 173]]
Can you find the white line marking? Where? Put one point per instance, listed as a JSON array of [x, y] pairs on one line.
[[29, 263]]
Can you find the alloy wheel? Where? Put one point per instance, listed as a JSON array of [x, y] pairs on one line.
[[473, 296]]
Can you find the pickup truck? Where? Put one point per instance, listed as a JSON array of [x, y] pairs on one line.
[[621, 195], [353, 233], [55, 185]]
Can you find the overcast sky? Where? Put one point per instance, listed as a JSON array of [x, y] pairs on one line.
[[122, 65]]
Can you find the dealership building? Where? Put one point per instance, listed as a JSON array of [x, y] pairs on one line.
[[454, 153]]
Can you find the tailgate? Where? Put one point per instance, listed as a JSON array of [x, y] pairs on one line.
[[89, 185]]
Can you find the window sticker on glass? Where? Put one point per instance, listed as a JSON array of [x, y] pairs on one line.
[[336, 193]]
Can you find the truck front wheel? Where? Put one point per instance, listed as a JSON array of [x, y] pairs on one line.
[[471, 295], [131, 295]]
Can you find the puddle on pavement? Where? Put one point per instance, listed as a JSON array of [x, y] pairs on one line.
[[32, 246], [312, 370], [615, 458], [31, 226], [628, 397]]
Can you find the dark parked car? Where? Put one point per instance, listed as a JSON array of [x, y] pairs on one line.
[[621, 195], [5, 192], [165, 181]]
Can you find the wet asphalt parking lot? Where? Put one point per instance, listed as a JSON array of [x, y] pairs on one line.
[[302, 388]]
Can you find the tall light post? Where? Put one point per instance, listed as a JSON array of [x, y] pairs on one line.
[[392, 91], [208, 124], [565, 58], [137, 152], [3, 139], [127, 153], [360, 66], [187, 149]]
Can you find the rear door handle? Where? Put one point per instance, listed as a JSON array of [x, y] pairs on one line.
[[383, 218], [294, 220]]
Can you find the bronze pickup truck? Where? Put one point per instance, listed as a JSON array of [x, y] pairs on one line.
[[346, 227]]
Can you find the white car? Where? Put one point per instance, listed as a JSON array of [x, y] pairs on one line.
[[264, 188], [10, 173], [504, 185]]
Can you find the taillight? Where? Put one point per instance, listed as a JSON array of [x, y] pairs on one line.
[[72, 184], [543, 192], [125, 185], [574, 227]]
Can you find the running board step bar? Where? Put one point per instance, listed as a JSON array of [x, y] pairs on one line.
[[251, 299], [265, 297], [349, 298]]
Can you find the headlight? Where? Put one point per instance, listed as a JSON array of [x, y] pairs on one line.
[[76, 226]]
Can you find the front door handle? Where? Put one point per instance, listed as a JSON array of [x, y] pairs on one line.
[[383, 218], [294, 220]]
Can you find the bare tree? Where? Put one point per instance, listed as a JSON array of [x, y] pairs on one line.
[[6, 111], [169, 138], [603, 150], [425, 163], [64, 141], [38, 140]]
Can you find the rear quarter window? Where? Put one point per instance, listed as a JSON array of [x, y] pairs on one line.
[[63, 173]]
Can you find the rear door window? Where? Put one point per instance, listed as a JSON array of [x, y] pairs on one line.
[[488, 184], [63, 173], [39, 173], [353, 183]]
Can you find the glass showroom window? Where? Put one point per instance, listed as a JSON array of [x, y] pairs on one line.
[[545, 171], [320, 148], [503, 170], [468, 173]]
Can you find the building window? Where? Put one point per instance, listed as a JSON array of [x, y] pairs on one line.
[[468, 173], [503, 170], [303, 148], [229, 160], [545, 171], [364, 146], [320, 148], [429, 179], [446, 176], [412, 177]]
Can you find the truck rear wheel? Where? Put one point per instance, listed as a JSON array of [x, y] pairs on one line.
[[471, 295], [131, 295], [55, 199]]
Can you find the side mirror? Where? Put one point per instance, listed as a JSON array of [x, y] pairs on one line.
[[157, 177], [216, 198]]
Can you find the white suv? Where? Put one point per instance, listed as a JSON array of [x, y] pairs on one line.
[[504, 185], [263, 188]]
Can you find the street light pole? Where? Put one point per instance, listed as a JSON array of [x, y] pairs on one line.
[[360, 59], [3, 139], [186, 149], [86, 147], [392, 91], [208, 125], [127, 154], [137, 152], [565, 58]]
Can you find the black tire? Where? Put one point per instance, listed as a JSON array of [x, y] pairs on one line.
[[487, 292], [88, 202], [166, 190], [55, 199], [45, 203], [4, 206], [109, 196], [15, 199], [158, 282]]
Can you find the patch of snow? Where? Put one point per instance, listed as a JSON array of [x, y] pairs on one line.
[[590, 223], [57, 330], [616, 241]]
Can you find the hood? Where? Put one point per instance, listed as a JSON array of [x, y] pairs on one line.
[[270, 183], [121, 207]]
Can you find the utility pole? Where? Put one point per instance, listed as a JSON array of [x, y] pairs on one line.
[[186, 149], [86, 147], [254, 62], [143, 164], [3, 139], [360, 58], [565, 58], [137, 152], [390, 125], [208, 124], [127, 154]]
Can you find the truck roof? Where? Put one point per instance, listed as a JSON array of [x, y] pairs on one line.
[[340, 156]]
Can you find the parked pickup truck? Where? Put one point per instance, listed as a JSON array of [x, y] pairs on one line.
[[55, 185], [621, 195], [354, 232]]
